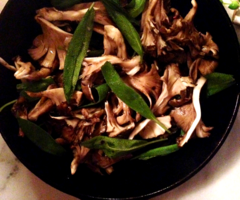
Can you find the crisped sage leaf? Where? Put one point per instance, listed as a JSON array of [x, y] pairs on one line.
[[28, 98], [40, 138], [62, 4], [77, 50], [160, 151], [8, 104], [36, 86], [127, 94], [102, 91], [95, 53], [217, 82], [124, 25], [115, 5], [136, 7], [115, 147]]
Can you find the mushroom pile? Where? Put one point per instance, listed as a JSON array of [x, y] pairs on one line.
[[169, 78]]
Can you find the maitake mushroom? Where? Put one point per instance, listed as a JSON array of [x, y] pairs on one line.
[[51, 45], [188, 117], [170, 79]]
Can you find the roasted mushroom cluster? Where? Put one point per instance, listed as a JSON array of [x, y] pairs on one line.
[[168, 76]]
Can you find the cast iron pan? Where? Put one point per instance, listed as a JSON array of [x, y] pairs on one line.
[[135, 179]]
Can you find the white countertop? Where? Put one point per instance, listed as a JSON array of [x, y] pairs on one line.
[[218, 180]]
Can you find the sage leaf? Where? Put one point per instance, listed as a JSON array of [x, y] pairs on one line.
[[63, 4], [77, 50], [36, 86], [115, 147], [117, 1], [136, 7], [127, 94], [8, 104], [216, 82], [160, 151], [115, 5], [124, 25], [102, 91], [95, 53], [40, 138], [28, 98]]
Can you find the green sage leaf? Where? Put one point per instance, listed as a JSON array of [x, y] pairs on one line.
[[28, 98], [160, 151], [8, 104], [36, 86], [95, 53], [127, 94], [124, 25], [40, 138], [76, 52], [102, 91], [216, 82], [117, 1], [62, 4], [136, 7], [115, 5], [115, 147]]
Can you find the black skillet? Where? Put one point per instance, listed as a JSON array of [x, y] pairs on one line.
[[130, 180]]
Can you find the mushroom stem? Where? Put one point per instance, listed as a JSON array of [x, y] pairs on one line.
[[196, 103], [5, 64]]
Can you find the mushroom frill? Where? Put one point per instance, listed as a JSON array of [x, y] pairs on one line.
[[169, 78]]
